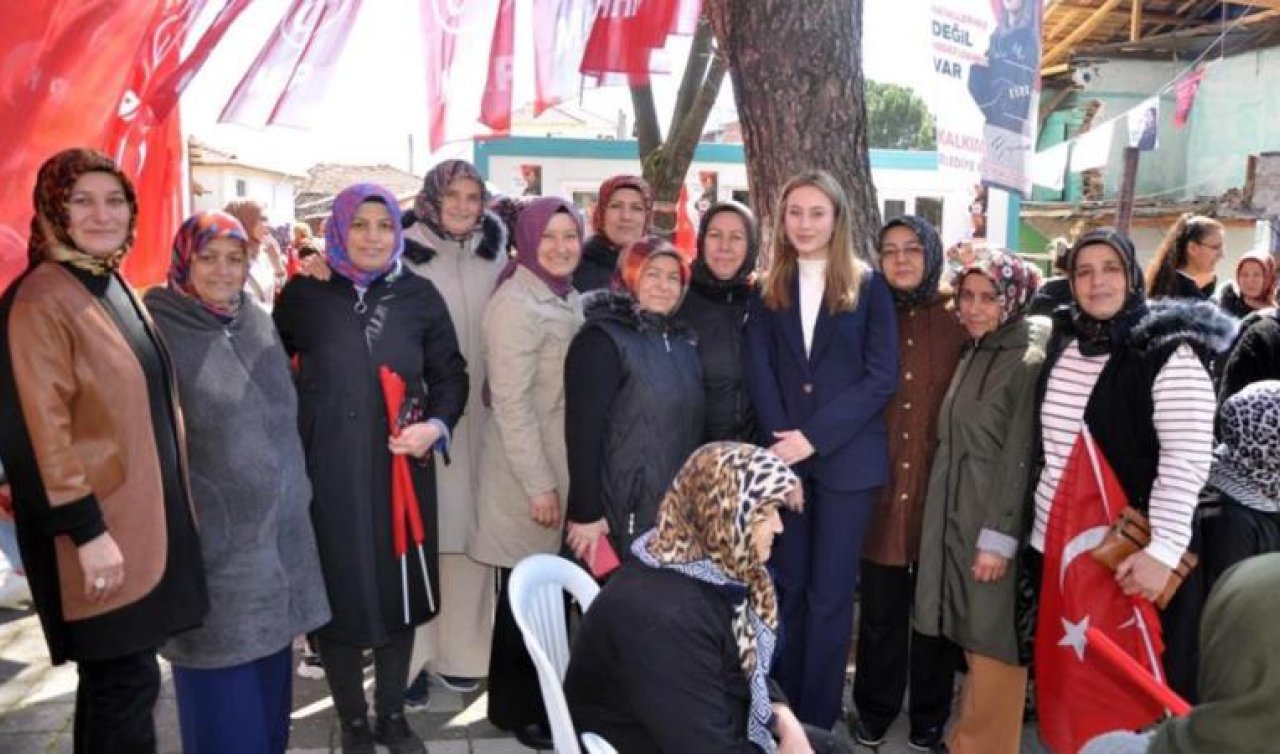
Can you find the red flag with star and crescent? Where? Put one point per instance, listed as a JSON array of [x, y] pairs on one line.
[[1078, 695]]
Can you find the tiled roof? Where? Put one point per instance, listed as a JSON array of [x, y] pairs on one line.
[[326, 179]]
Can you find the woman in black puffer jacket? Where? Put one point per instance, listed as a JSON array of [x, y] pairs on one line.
[[716, 308], [633, 400]]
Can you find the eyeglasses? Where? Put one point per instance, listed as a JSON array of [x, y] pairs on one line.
[[1215, 246]]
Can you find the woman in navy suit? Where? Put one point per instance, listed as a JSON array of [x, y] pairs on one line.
[[821, 363]]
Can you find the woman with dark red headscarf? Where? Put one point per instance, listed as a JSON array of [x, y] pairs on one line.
[[622, 215], [93, 446]]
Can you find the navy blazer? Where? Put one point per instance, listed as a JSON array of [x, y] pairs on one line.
[[836, 395]]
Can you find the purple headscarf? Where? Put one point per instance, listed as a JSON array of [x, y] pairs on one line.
[[533, 221], [335, 235], [426, 205]]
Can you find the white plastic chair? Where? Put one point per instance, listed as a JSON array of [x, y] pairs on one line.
[[596, 745], [536, 593]]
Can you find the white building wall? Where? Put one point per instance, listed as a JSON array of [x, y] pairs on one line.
[[273, 190]]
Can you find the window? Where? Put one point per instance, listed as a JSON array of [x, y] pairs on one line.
[[242, 189], [742, 196], [930, 208], [894, 208]]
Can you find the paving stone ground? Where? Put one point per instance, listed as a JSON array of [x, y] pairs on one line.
[[37, 700]]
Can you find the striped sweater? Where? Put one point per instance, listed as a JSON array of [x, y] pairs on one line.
[[1183, 419]]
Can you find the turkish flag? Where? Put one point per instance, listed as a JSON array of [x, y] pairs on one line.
[[116, 65], [448, 26], [495, 107], [1078, 695], [560, 30], [627, 34], [287, 79]]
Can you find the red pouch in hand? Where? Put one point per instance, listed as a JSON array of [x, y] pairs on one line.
[[606, 558]]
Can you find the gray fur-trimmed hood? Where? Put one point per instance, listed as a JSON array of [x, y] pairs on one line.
[[493, 240], [1201, 323]]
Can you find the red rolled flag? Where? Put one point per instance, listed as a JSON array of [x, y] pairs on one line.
[[1131, 670], [406, 517]]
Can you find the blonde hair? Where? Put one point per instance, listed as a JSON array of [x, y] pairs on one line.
[[844, 270]]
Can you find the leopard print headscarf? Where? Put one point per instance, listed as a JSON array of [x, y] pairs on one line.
[[1246, 464], [704, 530]]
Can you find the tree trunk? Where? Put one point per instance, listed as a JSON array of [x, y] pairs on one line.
[[665, 162], [796, 69]]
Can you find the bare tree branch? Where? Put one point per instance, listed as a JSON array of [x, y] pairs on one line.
[[685, 136], [695, 72], [647, 133]]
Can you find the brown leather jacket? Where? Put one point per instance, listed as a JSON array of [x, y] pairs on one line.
[[929, 342], [83, 398]]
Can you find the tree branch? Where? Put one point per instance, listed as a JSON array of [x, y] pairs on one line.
[[695, 71], [684, 138], [646, 112]]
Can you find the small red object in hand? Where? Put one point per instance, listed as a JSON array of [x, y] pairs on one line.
[[406, 516]]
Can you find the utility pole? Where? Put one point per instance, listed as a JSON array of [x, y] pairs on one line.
[[1128, 183]]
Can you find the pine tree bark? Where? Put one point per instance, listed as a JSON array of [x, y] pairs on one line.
[[796, 69]]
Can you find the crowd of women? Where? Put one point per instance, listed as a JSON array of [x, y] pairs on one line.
[[364, 452]]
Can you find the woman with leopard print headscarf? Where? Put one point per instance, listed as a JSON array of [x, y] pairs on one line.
[[1239, 513], [690, 672]]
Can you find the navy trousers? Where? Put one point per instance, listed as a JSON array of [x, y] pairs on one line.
[[815, 565], [242, 709]]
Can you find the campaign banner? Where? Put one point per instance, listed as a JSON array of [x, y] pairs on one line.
[[986, 62]]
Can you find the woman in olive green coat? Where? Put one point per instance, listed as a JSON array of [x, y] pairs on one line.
[[974, 512]]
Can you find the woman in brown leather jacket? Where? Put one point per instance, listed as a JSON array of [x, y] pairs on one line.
[[92, 438]]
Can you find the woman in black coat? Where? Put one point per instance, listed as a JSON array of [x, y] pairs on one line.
[[622, 215], [367, 315], [716, 309], [633, 400], [674, 654]]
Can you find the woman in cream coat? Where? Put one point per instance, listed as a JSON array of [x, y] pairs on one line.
[[528, 326]]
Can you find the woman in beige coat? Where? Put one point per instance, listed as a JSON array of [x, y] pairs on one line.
[[452, 241], [527, 328]]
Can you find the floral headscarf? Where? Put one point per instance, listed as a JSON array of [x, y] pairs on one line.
[[335, 234], [194, 234], [1016, 280], [533, 220], [426, 205], [704, 531], [1095, 337], [606, 192], [636, 257], [50, 237], [933, 259]]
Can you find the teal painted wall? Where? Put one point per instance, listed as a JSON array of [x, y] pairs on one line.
[[608, 149], [1237, 114]]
